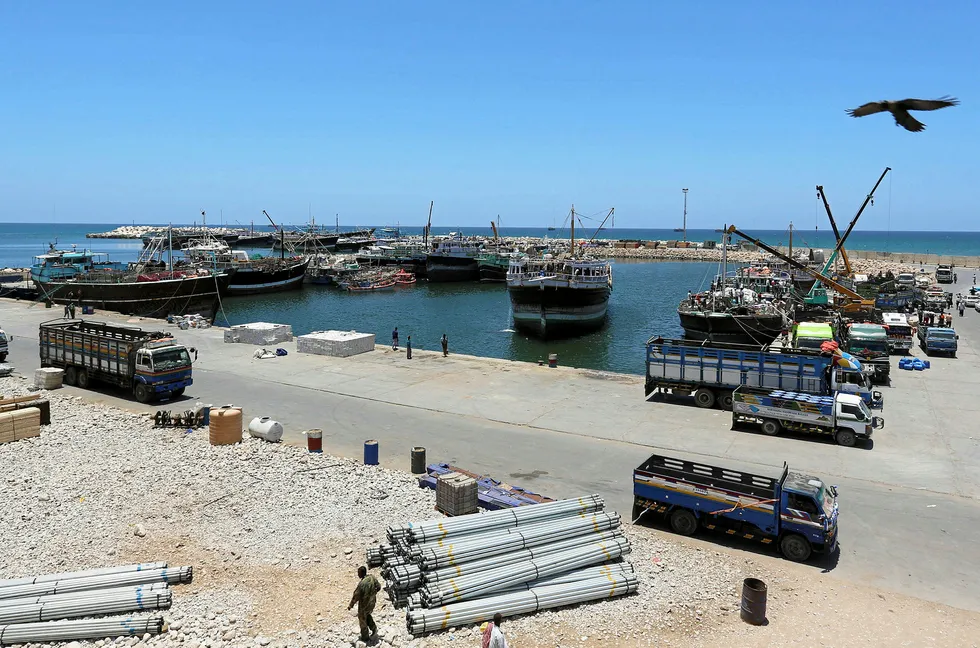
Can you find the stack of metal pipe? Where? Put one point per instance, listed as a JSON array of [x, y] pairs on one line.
[[453, 571], [34, 609]]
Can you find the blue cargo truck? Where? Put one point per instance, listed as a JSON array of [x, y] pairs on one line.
[[793, 511], [711, 371]]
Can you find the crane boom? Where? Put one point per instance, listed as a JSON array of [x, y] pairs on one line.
[[837, 237], [844, 290]]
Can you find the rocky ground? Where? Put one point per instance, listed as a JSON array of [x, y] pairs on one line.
[[275, 535]]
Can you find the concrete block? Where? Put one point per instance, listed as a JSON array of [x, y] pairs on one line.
[[261, 333], [48, 378], [339, 344]]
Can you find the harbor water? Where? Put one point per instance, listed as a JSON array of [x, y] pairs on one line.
[[477, 317]]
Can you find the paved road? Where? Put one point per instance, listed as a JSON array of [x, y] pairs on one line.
[[910, 509]]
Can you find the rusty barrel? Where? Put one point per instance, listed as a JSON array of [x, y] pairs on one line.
[[314, 440], [754, 593]]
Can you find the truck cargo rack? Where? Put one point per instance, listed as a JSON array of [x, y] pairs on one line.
[[705, 475]]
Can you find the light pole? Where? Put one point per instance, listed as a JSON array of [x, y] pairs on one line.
[[685, 213]]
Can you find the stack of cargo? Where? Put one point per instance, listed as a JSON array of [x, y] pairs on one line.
[[338, 344], [20, 424], [259, 333], [48, 378], [451, 572], [36, 609], [456, 494]]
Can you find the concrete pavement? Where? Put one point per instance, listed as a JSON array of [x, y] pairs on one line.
[[909, 505]]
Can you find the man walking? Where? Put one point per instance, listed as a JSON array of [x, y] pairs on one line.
[[68, 305], [365, 596], [394, 339], [497, 639], [445, 345]]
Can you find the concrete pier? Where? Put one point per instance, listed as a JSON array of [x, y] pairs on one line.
[[910, 512]]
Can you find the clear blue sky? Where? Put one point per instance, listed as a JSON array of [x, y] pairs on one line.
[[115, 111]]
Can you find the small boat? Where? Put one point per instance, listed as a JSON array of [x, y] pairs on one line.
[[371, 286], [404, 278]]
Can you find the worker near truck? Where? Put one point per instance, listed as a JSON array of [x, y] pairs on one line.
[[365, 597]]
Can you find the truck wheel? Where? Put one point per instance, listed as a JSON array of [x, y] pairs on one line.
[[71, 375], [704, 398], [846, 438], [795, 547], [177, 392], [726, 401], [683, 522], [771, 427], [83, 379], [142, 393]]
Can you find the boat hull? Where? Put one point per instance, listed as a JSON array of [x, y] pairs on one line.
[[256, 280], [444, 269], [727, 327], [492, 273], [554, 312], [182, 296]]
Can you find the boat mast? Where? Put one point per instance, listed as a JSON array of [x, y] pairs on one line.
[[428, 226], [790, 239], [170, 248], [724, 259], [573, 230]]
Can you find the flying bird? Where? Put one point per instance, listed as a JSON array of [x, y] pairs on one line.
[[900, 110]]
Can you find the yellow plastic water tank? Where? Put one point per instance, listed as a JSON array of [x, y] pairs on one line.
[[226, 425]]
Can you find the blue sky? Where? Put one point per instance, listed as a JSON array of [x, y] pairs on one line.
[[115, 111]]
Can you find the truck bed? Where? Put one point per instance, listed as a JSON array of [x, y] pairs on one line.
[[700, 477]]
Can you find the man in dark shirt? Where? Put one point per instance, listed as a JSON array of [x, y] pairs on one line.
[[365, 596]]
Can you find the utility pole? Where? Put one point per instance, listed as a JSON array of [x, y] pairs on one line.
[[685, 213]]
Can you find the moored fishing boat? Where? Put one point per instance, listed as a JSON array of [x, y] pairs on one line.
[[252, 276], [404, 278]]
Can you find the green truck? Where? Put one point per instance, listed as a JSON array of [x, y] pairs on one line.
[[869, 342], [810, 335]]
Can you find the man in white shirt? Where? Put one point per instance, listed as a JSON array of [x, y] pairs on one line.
[[497, 639]]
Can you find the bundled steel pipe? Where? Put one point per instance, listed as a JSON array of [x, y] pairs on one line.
[[86, 606], [418, 532], [138, 590], [414, 601], [516, 556], [170, 575], [494, 580], [467, 549], [101, 571], [532, 600], [51, 631]]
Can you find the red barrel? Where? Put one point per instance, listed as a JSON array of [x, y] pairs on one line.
[[314, 440]]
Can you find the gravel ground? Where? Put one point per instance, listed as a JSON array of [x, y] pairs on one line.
[[275, 535]]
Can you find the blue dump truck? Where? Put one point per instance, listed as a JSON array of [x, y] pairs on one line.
[[796, 512], [844, 417], [934, 339], [711, 371], [151, 364]]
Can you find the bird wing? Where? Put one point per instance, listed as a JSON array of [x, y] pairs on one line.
[[867, 109], [928, 104], [907, 121]]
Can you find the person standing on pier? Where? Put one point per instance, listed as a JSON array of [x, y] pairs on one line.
[[445, 345], [394, 339], [408, 348], [962, 308]]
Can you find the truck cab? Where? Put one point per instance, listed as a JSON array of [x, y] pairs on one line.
[[163, 366], [809, 509], [934, 339], [944, 274], [869, 342], [811, 335], [856, 382], [899, 332]]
